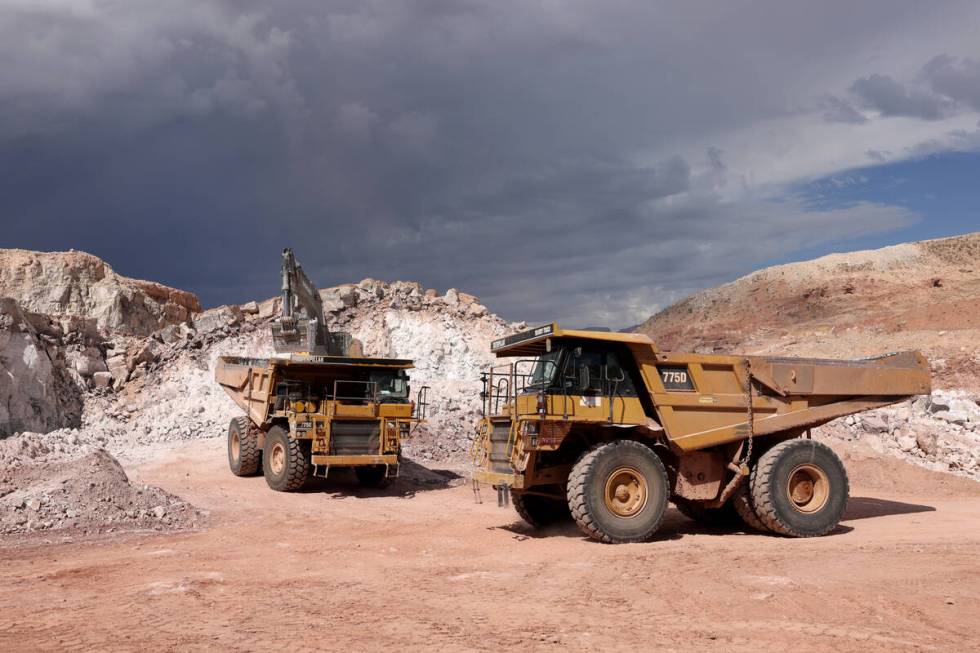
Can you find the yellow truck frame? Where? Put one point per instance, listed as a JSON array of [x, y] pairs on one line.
[[608, 428], [307, 414]]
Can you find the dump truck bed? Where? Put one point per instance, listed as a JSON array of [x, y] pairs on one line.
[[251, 382], [788, 394]]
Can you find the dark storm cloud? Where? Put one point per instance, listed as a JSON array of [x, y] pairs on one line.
[[557, 159], [958, 79], [891, 98], [948, 85], [836, 109]]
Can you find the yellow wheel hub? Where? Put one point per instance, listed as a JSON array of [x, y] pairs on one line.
[[626, 492], [277, 461], [808, 488]]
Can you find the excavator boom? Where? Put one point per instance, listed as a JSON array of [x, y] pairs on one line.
[[302, 326]]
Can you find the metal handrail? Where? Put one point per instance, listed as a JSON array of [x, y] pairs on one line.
[[502, 383], [422, 403]]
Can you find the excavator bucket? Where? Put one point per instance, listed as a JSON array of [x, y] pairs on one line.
[[292, 335]]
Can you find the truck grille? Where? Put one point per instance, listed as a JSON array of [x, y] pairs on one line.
[[355, 437], [499, 449]]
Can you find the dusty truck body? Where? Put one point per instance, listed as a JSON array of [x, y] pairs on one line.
[[319, 403], [307, 414], [607, 427]]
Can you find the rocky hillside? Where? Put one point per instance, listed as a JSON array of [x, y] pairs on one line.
[[923, 296], [81, 286]]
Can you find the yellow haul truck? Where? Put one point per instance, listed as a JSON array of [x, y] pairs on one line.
[[319, 403], [608, 428]]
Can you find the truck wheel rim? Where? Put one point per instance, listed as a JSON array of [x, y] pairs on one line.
[[626, 492], [236, 447], [808, 488], [277, 461]]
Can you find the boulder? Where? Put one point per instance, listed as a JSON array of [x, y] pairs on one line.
[[348, 294], [371, 289], [102, 379], [86, 328], [36, 393], [250, 308], [920, 404], [149, 352], [215, 319], [967, 407], [270, 308], [874, 424], [907, 442], [927, 442], [332, 300], [958, 417], [168, 334], [86, 362], [119, 368]]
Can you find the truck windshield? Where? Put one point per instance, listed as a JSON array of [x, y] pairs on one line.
[[391, 383], [544, 370]]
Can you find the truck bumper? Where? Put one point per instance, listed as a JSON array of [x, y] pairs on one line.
[[515, 481], [354, 460]]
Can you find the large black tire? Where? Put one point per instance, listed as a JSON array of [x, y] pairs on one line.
[[800, 488], [742, 502], [724, 517], [617, 492], [537, 510], [244, 456], [371, 476], [285, 462]]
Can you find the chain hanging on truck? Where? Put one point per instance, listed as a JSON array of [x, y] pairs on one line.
[[740, 468], [751, 420]]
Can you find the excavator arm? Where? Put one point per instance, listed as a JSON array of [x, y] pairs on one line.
[[307, 331], [297, 288]]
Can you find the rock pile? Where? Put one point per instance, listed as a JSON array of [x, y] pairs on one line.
[[85, 496], [940, 432]]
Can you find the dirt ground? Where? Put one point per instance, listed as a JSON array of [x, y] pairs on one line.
[[423, 567]]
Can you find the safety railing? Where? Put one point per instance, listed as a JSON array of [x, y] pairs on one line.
[[421, 404], [503, 383]]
